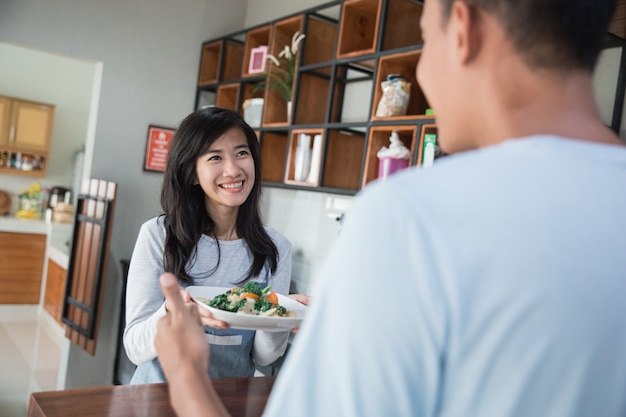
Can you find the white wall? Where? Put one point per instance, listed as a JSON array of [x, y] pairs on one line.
[[262, 11]]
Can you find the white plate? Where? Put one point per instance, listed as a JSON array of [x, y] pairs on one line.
[[247, 321]]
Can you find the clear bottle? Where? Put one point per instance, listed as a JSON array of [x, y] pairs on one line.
[[44, 196], [18, 161]]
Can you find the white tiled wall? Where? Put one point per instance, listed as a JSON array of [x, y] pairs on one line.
[[310, 221]]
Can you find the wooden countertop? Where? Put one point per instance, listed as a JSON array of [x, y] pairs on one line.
[[245, 397]]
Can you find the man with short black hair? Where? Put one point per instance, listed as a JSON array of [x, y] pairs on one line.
[[491, 284]]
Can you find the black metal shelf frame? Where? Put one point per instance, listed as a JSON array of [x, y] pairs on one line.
[[368, 65]]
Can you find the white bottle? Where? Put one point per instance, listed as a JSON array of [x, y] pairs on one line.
[[303, 157], [18, 161], [316, 159], [430, 143]]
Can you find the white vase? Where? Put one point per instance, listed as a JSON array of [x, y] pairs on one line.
[[289, 112]]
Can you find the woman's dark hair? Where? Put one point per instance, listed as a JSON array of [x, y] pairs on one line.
[[182, 199], [551, 33]]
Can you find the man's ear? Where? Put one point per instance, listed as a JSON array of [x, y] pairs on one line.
[[465, 27]]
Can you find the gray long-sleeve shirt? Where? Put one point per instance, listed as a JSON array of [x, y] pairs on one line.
[[145, 302]]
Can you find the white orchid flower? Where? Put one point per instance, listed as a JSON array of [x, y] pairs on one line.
[[286, 52], [295, 41], [273, 59]]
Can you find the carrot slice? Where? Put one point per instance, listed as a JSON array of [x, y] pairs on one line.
[[249, 295], [272, 298]]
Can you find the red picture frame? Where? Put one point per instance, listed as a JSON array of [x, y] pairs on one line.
[[157, 148]]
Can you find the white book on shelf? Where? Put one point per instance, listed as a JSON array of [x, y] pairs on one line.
[[316, 158]]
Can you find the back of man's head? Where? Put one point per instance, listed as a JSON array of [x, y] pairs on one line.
[[556, 34]]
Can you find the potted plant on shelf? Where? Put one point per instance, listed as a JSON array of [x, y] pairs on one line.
[[282, 74]]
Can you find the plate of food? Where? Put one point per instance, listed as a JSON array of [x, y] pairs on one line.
[[250, 307]]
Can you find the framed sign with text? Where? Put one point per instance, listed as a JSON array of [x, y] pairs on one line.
[[157, 146]]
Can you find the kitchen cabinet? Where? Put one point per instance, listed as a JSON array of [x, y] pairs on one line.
[[55, 290], [21, 267], [349, 49], [25, 129]]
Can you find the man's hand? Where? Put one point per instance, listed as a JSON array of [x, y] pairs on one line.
[[183, 352], [180, 340], [302, 299]]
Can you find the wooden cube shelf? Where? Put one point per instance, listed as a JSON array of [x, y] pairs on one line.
[[313, 92], [353, 94], [321, 36], [210, 63], [403, 64], [255, 38], [427, 128], [220, 61], [233, 60], [401, 26], [291, 157], [273, 155], [349, 49], [227, 96], [250, 90], [379, 137], [275, 111], [344, 159], [358, 30]]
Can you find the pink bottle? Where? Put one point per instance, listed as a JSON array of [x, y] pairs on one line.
[[387, 166], [392, 159]]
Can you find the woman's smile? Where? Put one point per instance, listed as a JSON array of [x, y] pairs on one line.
[[232, 186]]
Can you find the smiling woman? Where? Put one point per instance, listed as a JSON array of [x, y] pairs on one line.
[[210, 234], [226, 175]]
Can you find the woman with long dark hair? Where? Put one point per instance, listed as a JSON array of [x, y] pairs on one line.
[[210, 233]]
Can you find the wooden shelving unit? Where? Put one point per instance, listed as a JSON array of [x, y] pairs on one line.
[[401, 26], [291, 156], [209, 65], [314, 90], [273, 155], [403, 64], [379, 137], [358, 33], [351, 46], [255, 38], [221, 61], [343, 164], [275, 110], [227, 96], [349, 49], [419, 156]]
